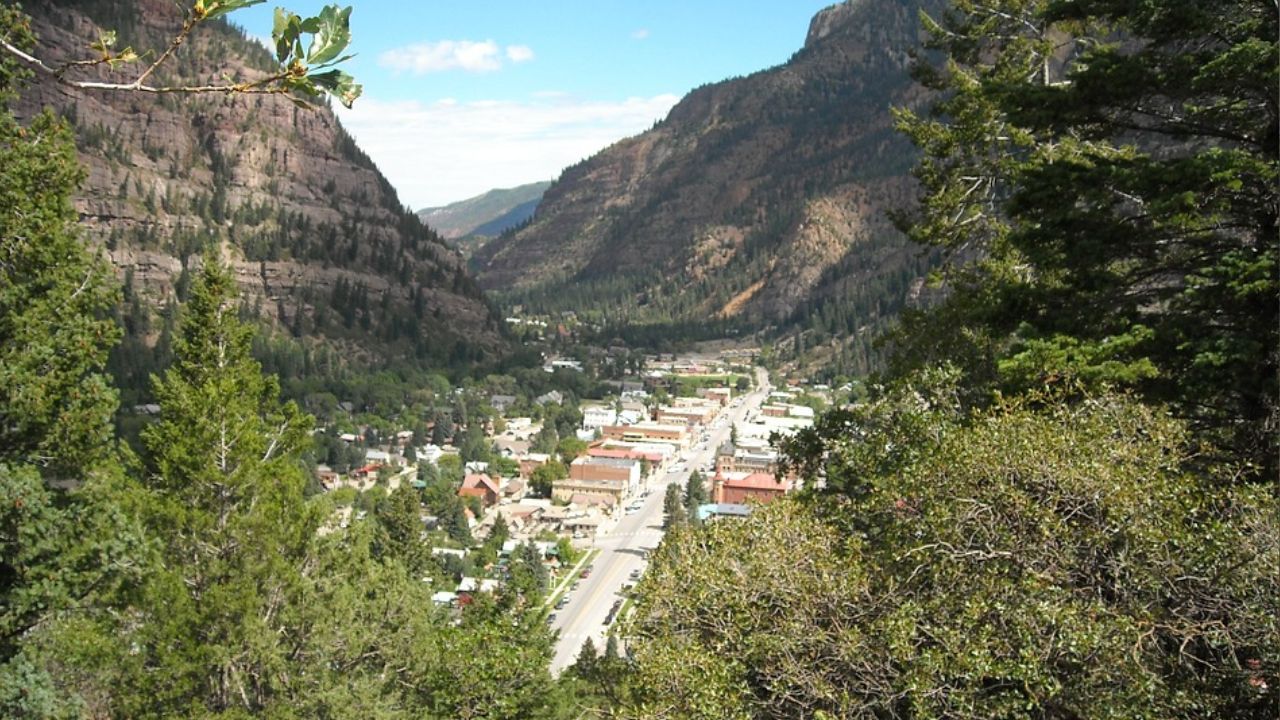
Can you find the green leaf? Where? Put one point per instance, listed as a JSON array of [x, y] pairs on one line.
[[285, 32], [339, 84], [332, 35], [222, 7]]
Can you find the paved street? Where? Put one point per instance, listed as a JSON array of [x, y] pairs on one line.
[[621, 550]]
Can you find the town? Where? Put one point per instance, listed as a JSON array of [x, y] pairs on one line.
[[584, 487]]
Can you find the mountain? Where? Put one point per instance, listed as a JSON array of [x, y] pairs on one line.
[[322, 248], [758, 201], [489, 214]]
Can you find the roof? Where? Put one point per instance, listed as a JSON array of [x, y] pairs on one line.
[[624, 454], [757, 481], [723, 510], [479, 482], [618, 462], [587, 500]]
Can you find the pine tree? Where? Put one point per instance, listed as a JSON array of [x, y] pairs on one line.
[[55, 296], [673, 508], [226, 500], [695, 494], [1116, 166], [63, 552]]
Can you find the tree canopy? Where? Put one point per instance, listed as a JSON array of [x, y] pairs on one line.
[[1104, 174]]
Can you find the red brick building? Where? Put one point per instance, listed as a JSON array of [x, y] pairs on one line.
[[737, 487]]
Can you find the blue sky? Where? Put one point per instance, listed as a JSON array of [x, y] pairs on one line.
[[462, 97]]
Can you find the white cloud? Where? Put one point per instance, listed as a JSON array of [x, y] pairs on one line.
[[444, 55], [519, 53], [441, 152], [641, 34]]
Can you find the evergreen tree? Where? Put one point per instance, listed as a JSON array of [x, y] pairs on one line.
[[695, 494], [63, 552], [400, 523], [673, 511], [55, 295], [528, 578], [1116, 164], [226, 500]]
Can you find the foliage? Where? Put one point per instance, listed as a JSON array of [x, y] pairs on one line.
[[1105, 173], [1050, 561], [67, 545], [673, 511], [298, 73], [65, 557], [226, 500], [55, 294], [545, 475], [695, 494], [527, 577]]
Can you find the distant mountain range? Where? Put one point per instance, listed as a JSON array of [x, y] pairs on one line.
[[759, 201], [322, 247], [486, 216]]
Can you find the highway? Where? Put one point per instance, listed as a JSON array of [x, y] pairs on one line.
[[622, 549]]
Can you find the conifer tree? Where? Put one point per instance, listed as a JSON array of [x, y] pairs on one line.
[[226, 501], [673, 508], [65, 545], [1114, 166]]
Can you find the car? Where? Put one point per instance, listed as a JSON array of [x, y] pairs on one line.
[[586, 573], [564, 600], [635, 575]]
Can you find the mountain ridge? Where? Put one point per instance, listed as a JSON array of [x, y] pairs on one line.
[[754, 202], [320, 244], [489, 214]]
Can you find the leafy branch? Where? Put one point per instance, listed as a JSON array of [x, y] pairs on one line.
[[307, 71]]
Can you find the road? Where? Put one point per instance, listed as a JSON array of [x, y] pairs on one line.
[[622, 549]]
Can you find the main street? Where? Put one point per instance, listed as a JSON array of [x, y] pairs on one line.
[[622, 550]]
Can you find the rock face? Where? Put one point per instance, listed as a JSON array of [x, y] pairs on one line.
[[320, 243], [755, 201]]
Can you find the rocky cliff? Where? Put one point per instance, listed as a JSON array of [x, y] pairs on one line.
[[321, 245], [757, 201]]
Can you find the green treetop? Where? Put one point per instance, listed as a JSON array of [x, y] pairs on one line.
[[1114, 167]]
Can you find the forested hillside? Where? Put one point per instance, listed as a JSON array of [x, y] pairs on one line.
[[1062, 502], [481, 218], [324, 251], [759, 201]]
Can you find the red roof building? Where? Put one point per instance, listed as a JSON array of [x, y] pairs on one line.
[[737, 488], [480, 486]]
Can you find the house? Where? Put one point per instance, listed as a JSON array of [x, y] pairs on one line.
[[327, 476], [722, 395], [404, 437], [429, 453], [502, 402], [598, 416], [480, 486], [514, 490], [382, 458], [736, 488], [532, 462], [473, 585], [368, 472], [555, 397]]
